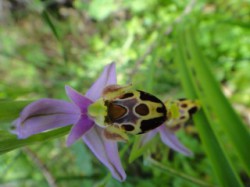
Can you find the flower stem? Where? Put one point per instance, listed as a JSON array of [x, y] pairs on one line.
[[174, 172]]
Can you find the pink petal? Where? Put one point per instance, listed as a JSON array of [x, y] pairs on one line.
[[79, 129], [107, 77], [106, 151], [45, 114], [145, 138], [77, 98], [169, 138]]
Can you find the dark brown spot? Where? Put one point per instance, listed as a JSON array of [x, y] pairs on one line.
[[115, 112], [150, 124], [142, 109], [184, 105], [182, 117], [128, 127], [192, 110], [127, 95]]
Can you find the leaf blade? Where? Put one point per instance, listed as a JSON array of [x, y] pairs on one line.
[[221, 165]]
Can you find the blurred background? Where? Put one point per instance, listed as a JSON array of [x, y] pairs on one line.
[[46, 44]]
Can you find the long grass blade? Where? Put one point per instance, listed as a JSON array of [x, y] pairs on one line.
[[9, 142], [178, 174], [48, 20], [227, 117], [220, 163], [9, 110]]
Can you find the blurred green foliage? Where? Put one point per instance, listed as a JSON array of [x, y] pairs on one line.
[[45, 45]]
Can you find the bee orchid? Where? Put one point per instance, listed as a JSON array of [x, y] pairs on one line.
[[104, 116], [47, 114]]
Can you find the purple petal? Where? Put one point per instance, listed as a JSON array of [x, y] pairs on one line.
[[106, 151], [79, 129], [45, 114], [145, 138], [107, 77], [81, 101], [169, 138]]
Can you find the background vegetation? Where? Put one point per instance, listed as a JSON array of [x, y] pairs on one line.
[[169, 48]]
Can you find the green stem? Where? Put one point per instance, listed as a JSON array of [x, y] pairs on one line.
[[174, 172]]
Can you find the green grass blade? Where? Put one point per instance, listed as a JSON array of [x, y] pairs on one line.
[[229, 120], [220, 163], [10, 142], [47, 19], [176, 173], [9, 110]]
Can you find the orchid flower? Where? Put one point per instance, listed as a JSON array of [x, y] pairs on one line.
[[46, 114]]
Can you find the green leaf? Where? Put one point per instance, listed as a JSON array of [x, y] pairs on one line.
[[9, 110], [184, 57], [55, 30], [176, 173], [47, 19], [227, 117], [10, 142]]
